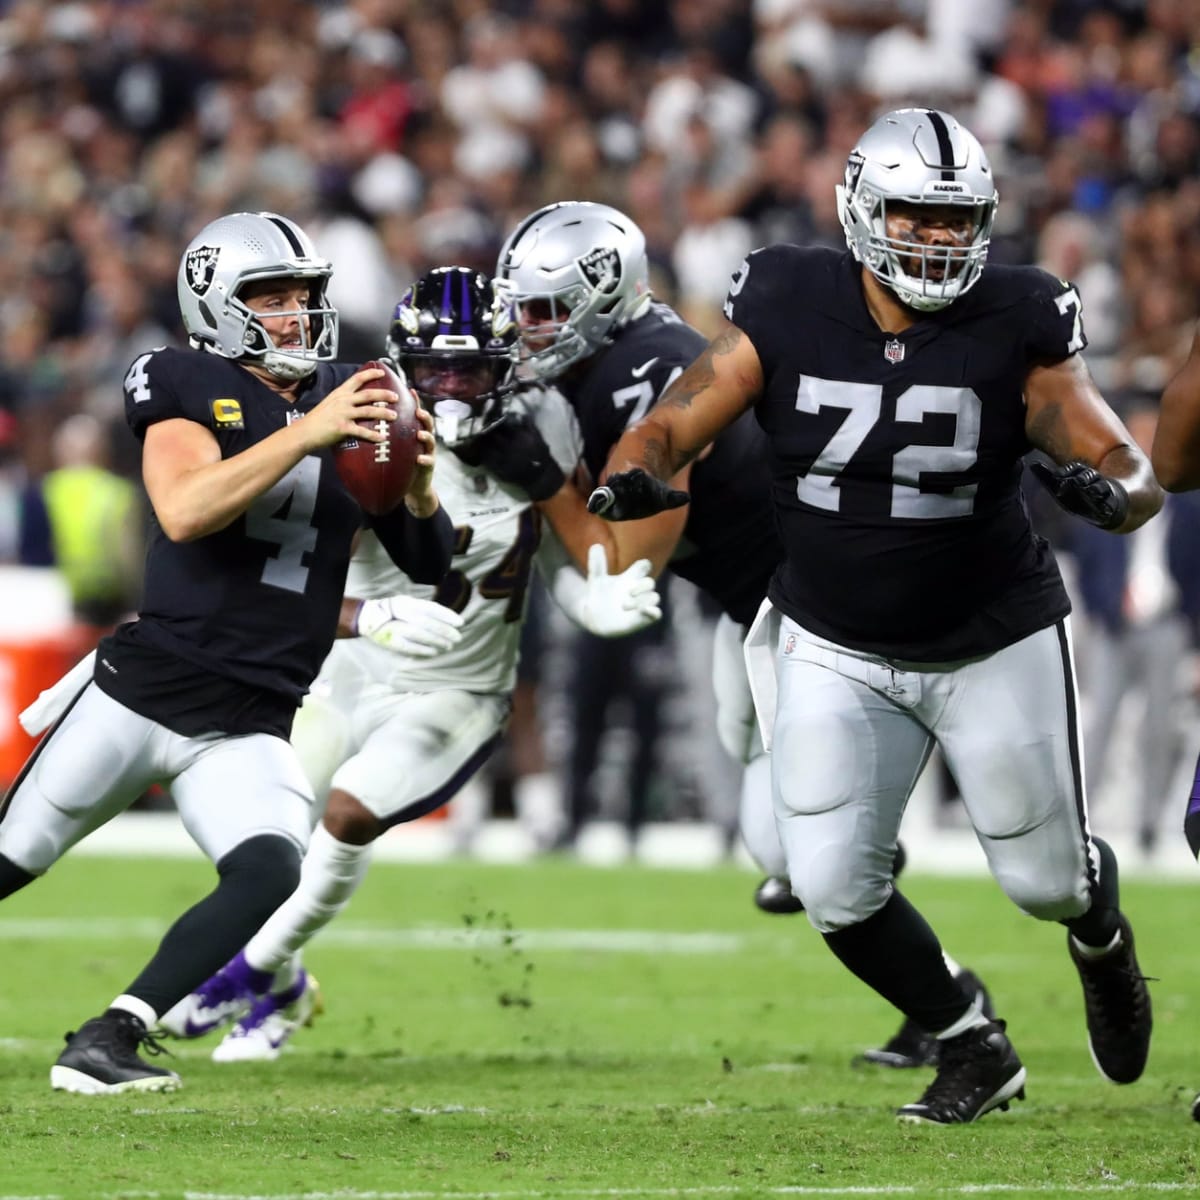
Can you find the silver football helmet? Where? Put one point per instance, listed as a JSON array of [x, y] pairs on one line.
[[576, 272], [924, 157], [242, 248]]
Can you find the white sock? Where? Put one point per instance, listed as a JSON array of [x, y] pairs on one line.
[[330, 875], [969, 1020], [538, 801], [139, 1008]]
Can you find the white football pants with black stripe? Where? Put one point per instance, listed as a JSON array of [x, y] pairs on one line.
[[101, 756], [852, 732]]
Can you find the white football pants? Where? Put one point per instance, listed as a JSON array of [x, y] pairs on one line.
[[852, 732], [102, 756]]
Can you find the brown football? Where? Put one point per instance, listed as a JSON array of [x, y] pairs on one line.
[[378, 474]]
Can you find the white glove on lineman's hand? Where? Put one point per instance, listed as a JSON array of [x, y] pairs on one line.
[[406, 625], [615, 605]]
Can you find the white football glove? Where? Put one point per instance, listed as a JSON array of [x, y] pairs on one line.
[[406, 625], [612, 605]]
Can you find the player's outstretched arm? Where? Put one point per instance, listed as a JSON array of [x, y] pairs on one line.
[[624, 543], [1176, 451], [1103, 477], [711, 394], [196, 492]]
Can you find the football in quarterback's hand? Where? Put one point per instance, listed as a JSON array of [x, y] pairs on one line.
[[378, 474]]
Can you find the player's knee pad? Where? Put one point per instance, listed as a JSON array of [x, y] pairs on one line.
[[264, 870], [1044, 898], [835, 896]]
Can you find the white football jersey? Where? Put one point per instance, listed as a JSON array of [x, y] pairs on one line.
[[497, 533]]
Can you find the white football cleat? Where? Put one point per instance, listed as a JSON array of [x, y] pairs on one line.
[[262, 1033]]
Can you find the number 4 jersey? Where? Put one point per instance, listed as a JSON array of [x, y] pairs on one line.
[[234, 625], [896, 459]]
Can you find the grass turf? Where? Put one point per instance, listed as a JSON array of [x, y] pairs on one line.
[[556, 1030]]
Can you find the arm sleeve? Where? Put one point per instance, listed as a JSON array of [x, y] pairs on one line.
[[420, 546]]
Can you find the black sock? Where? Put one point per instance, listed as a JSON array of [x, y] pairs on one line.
[[255, 879], [895, 952], [1098, 926], [12, 877]]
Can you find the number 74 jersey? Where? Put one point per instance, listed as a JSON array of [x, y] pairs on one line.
[[497, 537], [896, 459]]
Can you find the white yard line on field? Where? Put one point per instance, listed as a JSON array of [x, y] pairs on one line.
[[966, 1189], [614, 941]]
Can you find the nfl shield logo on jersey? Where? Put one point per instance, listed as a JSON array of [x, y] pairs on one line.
[[200, 265], [893, 350]]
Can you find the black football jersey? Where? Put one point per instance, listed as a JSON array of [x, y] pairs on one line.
[[234, 626], [896, 460], [729, 546]]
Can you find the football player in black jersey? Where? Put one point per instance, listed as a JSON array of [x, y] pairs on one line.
[[580, 279], [899, 384], [249, 545]]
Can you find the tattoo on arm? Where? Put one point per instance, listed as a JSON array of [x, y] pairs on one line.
[[702, 372]]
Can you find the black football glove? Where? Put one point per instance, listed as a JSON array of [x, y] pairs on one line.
[[632, 495], [514, 451], [1082, 490]]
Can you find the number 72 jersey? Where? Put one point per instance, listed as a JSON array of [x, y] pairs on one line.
[[896, 459]]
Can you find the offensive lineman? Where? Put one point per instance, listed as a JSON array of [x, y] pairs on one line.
[[245, 568], [390, 732], [899, 384], [580, 279]]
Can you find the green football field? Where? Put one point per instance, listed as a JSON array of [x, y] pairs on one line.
[[559, 1030]]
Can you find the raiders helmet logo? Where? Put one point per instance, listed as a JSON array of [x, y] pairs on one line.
[[200, 265], [601, 268]]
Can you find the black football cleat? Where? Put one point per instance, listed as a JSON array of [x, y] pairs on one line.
[[1117, 1002], [774, 895], [979, 1070], [102, 1059], [910, 1046]]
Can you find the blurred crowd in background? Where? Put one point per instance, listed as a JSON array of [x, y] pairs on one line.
[[405, 134]]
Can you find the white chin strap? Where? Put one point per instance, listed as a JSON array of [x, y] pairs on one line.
[[288, 366]]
